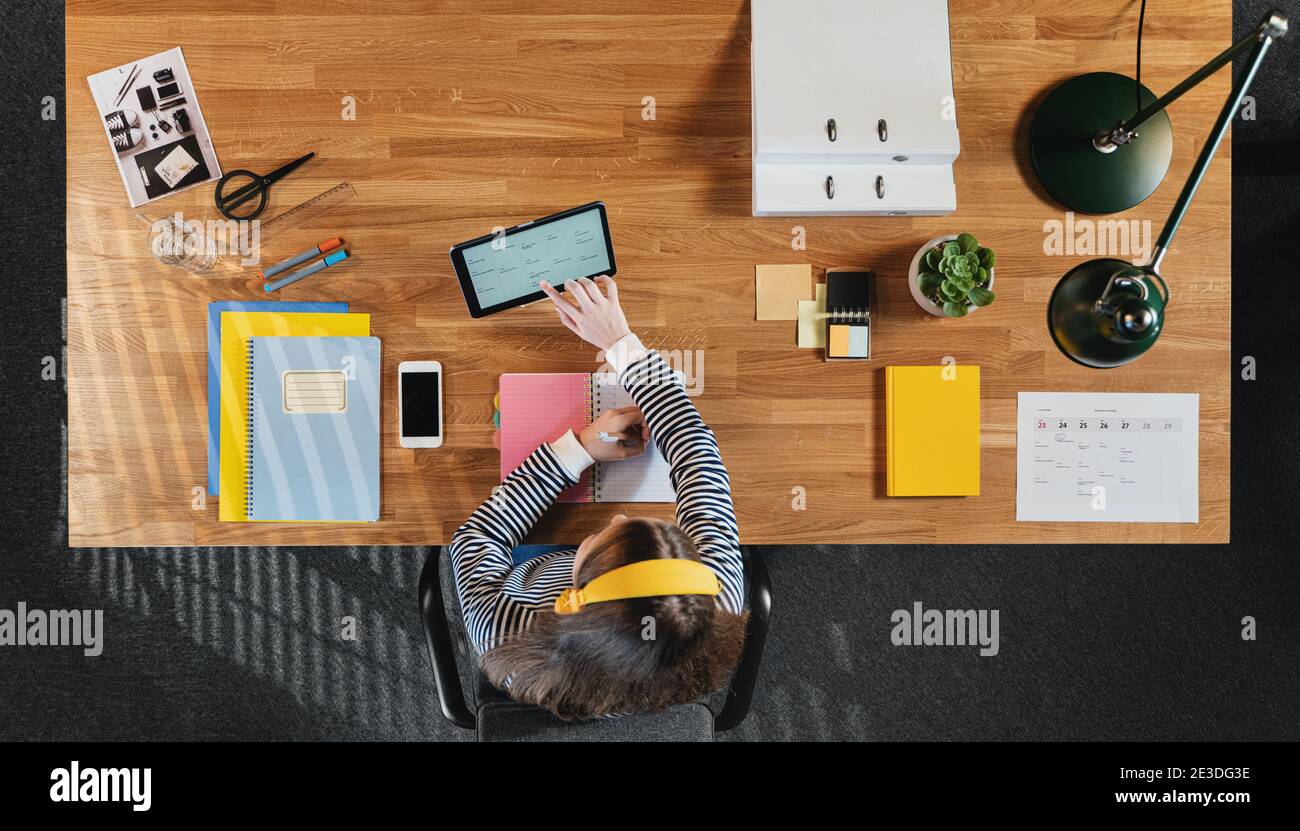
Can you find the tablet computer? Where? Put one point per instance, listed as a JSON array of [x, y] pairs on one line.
[[501, 271]]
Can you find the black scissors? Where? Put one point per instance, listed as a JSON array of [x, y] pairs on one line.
[[243, 185]]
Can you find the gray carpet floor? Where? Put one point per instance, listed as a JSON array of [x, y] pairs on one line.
[[1096, 642]]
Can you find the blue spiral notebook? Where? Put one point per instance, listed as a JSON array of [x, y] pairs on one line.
[[214, 364], [313, 429]]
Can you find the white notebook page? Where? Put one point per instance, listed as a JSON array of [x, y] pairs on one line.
[[642, 479]]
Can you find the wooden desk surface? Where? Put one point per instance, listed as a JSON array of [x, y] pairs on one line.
[[471, 115]]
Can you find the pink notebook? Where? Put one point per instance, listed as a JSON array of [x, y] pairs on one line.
[[539, 407]]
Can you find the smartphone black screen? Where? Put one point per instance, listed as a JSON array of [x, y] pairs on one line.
[[420, 405]]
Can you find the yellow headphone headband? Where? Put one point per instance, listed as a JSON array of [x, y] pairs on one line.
[[647, 578]]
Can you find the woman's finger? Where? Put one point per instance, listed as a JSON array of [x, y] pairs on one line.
[[593, 291], [631, 410], [611, 289], [560, 300], [579, 292], [625, 418], [568, 321], [627, 450]]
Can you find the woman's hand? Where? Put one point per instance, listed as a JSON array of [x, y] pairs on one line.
[[626, 424], [590, 314]]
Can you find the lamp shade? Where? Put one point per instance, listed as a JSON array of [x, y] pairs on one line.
[[1105, 313]]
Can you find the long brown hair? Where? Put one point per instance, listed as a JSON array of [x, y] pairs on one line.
[[603, 660]]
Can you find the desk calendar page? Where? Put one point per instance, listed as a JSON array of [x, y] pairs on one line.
[[1107, 457]]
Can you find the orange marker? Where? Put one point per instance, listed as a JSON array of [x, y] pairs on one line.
[[324, 247]]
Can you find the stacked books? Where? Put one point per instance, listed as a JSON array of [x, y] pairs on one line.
[[293, 412]]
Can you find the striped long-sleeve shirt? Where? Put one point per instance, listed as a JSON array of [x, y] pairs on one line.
[[499, 599]]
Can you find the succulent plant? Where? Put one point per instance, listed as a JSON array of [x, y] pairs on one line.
[[955, 275]]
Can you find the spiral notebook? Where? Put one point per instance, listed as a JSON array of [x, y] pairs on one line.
[[848, 314], [214, 364], [313, 429], [539, 407]]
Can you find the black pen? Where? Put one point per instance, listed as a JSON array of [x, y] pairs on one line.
[[130, 78]]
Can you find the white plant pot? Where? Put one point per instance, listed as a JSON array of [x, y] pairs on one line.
[[914, 276]]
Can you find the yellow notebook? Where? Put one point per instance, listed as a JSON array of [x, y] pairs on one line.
[[932, 430], [236, 329]]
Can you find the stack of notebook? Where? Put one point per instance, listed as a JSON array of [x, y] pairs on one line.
[[293, 421]]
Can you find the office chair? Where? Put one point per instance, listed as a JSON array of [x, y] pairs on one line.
[[496, 717]]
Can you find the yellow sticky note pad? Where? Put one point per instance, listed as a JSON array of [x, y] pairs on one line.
[[812, 325], [778, 290], [812, 320]]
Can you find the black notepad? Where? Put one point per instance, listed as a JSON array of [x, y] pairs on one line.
[[147, 162], [848, 315]]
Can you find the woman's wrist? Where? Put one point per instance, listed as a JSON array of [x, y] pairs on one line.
[[618, 336], [624, 352], [569, 450]]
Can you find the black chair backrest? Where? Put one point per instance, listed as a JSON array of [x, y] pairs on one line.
[[455, 669]]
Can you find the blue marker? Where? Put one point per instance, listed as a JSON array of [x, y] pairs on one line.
[[324, 248], [337, 256]]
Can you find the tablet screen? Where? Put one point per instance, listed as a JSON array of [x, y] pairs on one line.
[[508, 267]]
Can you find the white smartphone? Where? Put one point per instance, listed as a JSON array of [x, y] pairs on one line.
[[419, 403]]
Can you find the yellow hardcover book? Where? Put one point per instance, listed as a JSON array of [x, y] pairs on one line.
[[236, 329], [932, 430]]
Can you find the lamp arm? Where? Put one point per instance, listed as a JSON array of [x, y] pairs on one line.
[[1273, 26], [1215, 64]]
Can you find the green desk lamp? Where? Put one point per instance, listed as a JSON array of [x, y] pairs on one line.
[[1105, 313]]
